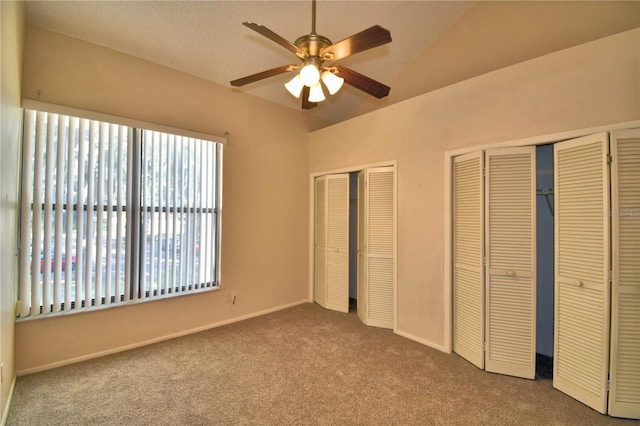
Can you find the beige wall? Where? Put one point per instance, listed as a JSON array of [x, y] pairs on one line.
[[13, 25], [511, 32], [264, 234], [594, 84]]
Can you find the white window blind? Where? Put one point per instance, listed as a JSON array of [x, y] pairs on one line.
[[111, 213]]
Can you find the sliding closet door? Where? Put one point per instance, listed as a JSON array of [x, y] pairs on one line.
[[320, 248], [337, 217], [380, 242], [624, 398], [468, 275], [510, 249], [581, 332], [362, 259]]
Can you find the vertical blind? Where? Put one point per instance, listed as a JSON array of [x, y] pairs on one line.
[[112, 213]]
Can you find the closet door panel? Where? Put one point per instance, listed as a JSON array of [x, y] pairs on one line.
[[338, 242], [380, 245], [581, 331], [320, 248], [468, 257], [624, 397], [510, 250], [362, 259]]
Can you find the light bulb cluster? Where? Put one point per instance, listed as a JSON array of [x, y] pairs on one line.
[[310, 76]]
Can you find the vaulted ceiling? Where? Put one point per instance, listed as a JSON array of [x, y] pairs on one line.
[[435, 43]]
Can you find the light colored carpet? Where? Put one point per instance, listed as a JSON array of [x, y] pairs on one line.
[[300, 366]]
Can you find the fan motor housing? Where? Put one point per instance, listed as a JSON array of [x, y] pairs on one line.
[[312, 43]]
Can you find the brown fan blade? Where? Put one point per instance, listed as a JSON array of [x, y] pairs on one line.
[[305, 99], [362, 82], [264, 74], [261, 29], [364, 40]]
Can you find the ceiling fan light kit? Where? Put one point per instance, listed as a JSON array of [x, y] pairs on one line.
[[295, 85], [316, 94], [314, 49], [332, 81], [310, 72]]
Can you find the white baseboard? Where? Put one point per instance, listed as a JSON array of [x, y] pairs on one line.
[[154, 340], [5, 413], [425, 342]]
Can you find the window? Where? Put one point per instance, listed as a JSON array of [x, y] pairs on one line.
[[112, 213]]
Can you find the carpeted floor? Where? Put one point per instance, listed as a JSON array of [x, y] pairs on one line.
[[300, 366]]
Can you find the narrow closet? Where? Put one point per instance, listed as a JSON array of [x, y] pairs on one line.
[[355, 246]]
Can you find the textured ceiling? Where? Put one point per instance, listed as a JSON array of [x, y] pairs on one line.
[[435, 43]]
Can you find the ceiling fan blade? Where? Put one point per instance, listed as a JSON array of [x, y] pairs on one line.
[[364, 40], [362, 82], [305, 99], [261, 29], [264, 74]]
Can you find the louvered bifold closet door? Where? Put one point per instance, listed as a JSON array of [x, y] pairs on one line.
[[624, 397], [338, 242], [320, 249], [581, 229], [361, 275], [468, 275], [510, 227], [380, 246]]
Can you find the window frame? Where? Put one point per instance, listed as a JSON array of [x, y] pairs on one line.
[[132, 231]]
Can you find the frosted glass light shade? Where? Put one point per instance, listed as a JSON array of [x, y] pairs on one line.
[[310, 75], [295, 86], [332, 81], [316, 94]]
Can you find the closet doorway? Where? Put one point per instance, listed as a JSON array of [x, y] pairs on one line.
[[545, 262], [497, 288], [354, 250]]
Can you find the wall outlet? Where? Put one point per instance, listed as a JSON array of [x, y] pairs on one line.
[[227, 296]]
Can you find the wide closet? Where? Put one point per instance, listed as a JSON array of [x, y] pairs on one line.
[[375, 247], [596, 341]]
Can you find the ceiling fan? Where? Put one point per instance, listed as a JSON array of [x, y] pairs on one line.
[[314, 50]]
